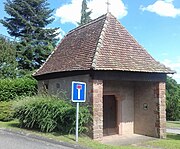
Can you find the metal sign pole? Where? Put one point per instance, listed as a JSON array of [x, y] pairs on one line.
[[78, 95], [77, 120]]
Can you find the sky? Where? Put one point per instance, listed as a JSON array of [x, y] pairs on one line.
[[155, 24]]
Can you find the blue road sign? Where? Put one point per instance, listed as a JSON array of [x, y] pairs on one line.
[[78, 91]]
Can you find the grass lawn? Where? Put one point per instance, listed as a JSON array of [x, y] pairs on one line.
[[172, 141], [173, 124]]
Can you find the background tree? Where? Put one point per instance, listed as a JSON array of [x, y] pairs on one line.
[[27, 22], [172, 99], [8, 64], [85, 14]]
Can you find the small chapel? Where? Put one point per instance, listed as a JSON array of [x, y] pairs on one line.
[[125, 84]]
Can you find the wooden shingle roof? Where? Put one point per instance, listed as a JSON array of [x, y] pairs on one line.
[[102, 44]]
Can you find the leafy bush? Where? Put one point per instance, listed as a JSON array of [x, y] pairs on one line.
[[48, 114], [6, 111], [13, 88]]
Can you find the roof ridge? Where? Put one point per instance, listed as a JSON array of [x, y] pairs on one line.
[[100, 42], [89, 23]]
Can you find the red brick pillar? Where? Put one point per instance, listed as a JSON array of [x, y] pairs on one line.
[[97, 105], [161, 110]]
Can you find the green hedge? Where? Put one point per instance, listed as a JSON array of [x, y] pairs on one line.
[[6, 111], [10, 89], [49, 114]]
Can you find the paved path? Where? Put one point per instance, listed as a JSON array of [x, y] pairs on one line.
[[11, 140], [126, 139], [173, 130]]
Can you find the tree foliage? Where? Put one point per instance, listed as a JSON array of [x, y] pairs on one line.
[[27, 21], [85, 14], [8, 62], [172, 99]]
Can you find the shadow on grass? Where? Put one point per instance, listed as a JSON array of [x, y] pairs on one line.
[[65, 135], [174, 122], [173, 136], [16, 125], [69, 136]]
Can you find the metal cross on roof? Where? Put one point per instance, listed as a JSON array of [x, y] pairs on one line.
[[107, 5]]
